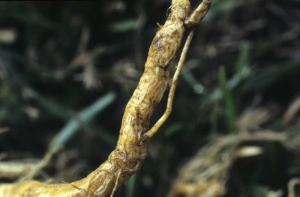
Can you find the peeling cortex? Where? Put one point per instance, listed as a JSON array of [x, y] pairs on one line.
[[157, 42]]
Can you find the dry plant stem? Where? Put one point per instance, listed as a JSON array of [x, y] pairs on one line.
[[131, 148], [25, 170], [292, 186], [4, 130], [44, 162]]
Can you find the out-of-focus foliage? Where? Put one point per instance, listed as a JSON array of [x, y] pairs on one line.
[[58, 59]]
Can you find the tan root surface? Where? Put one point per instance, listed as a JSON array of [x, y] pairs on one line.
[[131, 148]]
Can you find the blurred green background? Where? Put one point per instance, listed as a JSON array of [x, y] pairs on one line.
[[67, 70]]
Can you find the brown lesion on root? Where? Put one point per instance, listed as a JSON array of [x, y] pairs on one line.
[[131, 148]]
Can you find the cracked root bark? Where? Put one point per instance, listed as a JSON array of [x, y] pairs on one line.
[[131, 147]]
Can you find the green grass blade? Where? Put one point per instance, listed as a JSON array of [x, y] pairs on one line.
[[72, 126], [229, 110]]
